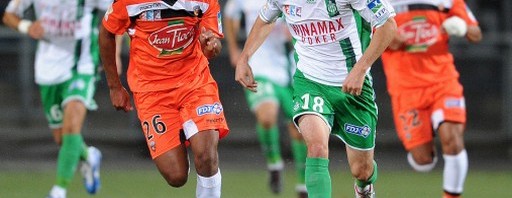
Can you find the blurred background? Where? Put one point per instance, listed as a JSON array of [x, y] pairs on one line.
[[485, 69]]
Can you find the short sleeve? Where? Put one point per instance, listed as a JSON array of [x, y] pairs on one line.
[[212, 18], [18, 7], [233, 9], [377, 12], [116, 18], [270, 11], [461, 9]]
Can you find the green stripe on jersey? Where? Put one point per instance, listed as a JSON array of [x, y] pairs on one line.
[[348, 52]]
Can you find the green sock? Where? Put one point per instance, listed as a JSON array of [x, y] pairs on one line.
[[83, 154], [370, 180], [69, 155], [269, 140], [318, 180], [299, 151]]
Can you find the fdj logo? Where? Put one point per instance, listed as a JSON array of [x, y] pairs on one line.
[[215, 108], [363, 131]]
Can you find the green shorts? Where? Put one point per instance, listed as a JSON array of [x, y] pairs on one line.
[[351, 118], [270, 91], [54, 97]]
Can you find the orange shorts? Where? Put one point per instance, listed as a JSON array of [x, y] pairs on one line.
[[419, 112], [170, 117]]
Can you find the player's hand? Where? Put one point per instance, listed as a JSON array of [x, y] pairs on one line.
[[353, 84], [455, 26], [36, 30], [244, 76], [210, 43], [120, 99]]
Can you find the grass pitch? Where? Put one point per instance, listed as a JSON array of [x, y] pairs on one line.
[[250, 184]]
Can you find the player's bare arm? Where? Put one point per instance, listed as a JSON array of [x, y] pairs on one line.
[[381, 38], [210, 43], [33, 29], [118, 95], [231, 29], [243, 73], [474, 34]]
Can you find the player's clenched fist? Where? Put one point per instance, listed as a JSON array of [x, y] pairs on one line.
[[209, 43], [120, 99]]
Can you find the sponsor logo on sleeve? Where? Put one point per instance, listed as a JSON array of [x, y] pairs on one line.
[[292, 10], [215, 108], [454, 103], [362, 131]]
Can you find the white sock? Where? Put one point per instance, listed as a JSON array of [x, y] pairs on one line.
[[209, 187], [58, 192], [455, 171]]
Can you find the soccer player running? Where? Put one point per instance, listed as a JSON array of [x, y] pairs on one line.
[[423, 84], [272, 69], [332, 85], [175, 95], [66, 67]]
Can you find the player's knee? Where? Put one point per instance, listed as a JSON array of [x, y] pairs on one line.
[[176, 180], [422, 163], [206, 163], [361, 171], [317, 150]]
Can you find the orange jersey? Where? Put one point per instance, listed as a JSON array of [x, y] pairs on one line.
[[425, 59], [165, 51]]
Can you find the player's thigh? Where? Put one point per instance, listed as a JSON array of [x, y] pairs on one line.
[[355, 120], [412, 116], [449, 105], [51, 99], [160, 121], [201, 109], [265, 102], [81, 87]]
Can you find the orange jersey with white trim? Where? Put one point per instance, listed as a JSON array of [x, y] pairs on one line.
[[165, 51], [425, 59]]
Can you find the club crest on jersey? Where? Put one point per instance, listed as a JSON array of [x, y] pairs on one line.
[[332, 9], [215, 108], [362, 131], [173, 38], [292, 10]]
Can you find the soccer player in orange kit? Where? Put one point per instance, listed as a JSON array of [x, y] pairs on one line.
[[174, 93], [427, 97]]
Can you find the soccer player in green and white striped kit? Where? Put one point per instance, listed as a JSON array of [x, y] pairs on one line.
[[336, 43]]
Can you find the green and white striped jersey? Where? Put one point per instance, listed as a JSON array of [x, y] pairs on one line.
[[70, 36], [329, 35]]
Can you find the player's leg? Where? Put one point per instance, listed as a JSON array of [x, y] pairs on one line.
[[455, 158], [357, 129], [78, 93], [313, 114], [206, 161], [449, 118], [173, 165], [364, 169], [204, 125], [265, 105], [316, 135], [414, 128]]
